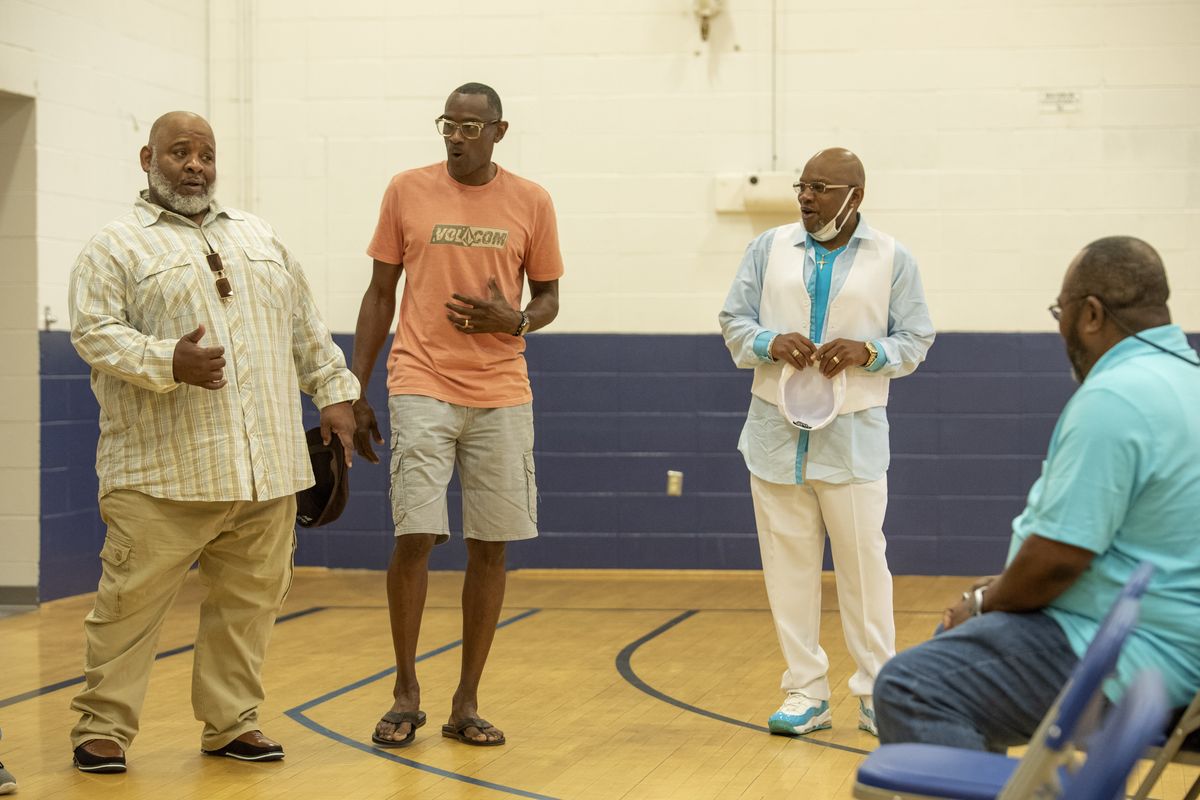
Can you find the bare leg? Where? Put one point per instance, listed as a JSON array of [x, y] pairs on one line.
[[407, 582], [482, 599]]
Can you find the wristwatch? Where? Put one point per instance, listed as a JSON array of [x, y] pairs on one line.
[[520, 331], [872, 354], [974, 601]]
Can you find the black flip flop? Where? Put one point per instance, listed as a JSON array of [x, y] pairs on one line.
[[414, 718], [457, 732]]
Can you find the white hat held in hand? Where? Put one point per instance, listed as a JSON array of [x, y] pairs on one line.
[[808, 399]]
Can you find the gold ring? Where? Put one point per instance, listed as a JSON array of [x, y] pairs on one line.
[[836, 359], [795, 354], [466, 323]]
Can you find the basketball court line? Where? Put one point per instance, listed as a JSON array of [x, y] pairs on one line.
[[297, 714], [623, 663], [625, 668], [54, 687]]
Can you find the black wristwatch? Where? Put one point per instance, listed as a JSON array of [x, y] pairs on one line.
[[520, 331]]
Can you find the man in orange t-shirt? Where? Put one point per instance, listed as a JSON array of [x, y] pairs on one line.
[[467, 233]]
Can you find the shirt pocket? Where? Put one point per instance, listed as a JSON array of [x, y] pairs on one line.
[[166, 288], [272, 284]]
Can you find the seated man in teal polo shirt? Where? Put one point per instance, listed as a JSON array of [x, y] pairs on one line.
[[1120, 485]]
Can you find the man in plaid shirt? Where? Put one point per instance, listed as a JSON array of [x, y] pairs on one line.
[[198, 326]]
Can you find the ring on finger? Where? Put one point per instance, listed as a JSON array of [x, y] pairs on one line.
[[466, 323], [795, 354], [836, 359]]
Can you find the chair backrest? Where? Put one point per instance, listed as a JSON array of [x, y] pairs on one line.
[[1139, 581], [1088, 676], [1128, 730], [1181, 744], [1050, 745]]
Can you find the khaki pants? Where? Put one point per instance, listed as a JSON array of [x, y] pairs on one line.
[[245, 553]]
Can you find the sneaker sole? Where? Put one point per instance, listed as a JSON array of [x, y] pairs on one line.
[[8, 788], [100, 768], [821, 723], [262, 757]]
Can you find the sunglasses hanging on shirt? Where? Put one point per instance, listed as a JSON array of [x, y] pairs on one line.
[[224, 287]]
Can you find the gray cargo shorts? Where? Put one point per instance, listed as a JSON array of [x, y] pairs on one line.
[[493, 449]]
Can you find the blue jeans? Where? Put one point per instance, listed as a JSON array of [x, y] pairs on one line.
[[984, 685]]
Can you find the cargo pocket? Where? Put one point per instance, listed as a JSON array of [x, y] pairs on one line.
[[291, 571], [396, 487], [114, 575], [531, 486]]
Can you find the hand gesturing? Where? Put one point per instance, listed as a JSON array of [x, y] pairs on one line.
[[196, 365], [484, 315]]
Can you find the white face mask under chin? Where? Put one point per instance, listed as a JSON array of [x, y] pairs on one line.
[[831, 229]]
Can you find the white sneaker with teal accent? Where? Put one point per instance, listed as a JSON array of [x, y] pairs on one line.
[[800, 714], [866, 716]]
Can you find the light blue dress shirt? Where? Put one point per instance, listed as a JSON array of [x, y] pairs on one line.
[[1122, 479], [854, 447]]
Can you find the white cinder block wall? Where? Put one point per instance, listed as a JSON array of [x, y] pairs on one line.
[[626, 116], [85, 80]]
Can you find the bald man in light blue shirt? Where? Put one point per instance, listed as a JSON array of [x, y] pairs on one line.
[[1120, 486]]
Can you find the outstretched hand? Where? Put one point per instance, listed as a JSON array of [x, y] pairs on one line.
[[196, 365], [490, 314]]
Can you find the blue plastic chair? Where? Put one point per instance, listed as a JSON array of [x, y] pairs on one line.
[[1128, 730], [935, 771], [1180, 745], [1139, 581]]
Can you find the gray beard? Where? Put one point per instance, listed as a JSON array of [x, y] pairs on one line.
[[185, 205]]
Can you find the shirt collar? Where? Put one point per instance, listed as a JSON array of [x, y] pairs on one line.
[[149, 213], [1170, 337], [801, 238]]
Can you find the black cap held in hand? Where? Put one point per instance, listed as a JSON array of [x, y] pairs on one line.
[[324, 501]]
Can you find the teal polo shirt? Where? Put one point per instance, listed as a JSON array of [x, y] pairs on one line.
[[1122, 479]]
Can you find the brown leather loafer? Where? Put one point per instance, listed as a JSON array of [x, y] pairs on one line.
[[87, 761], [250, 746]]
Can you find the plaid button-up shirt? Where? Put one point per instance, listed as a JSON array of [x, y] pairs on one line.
[[141, 284]]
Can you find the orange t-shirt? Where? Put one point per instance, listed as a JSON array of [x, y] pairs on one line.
[[450, 238]]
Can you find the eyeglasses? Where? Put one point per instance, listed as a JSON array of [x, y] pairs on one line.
[[1057, 309], [224, 288], [1056, 312], [470, 130], [820, 187]]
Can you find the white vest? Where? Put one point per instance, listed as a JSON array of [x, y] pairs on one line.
[[858, 311]]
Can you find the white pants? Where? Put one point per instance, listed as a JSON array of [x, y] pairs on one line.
[[792, 522]]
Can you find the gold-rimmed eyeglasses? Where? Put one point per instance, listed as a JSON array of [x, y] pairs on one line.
[[820, 187], [470, 130]]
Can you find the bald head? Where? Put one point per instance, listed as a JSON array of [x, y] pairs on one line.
[[1124, 272], [172, 122], [838, 165]]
